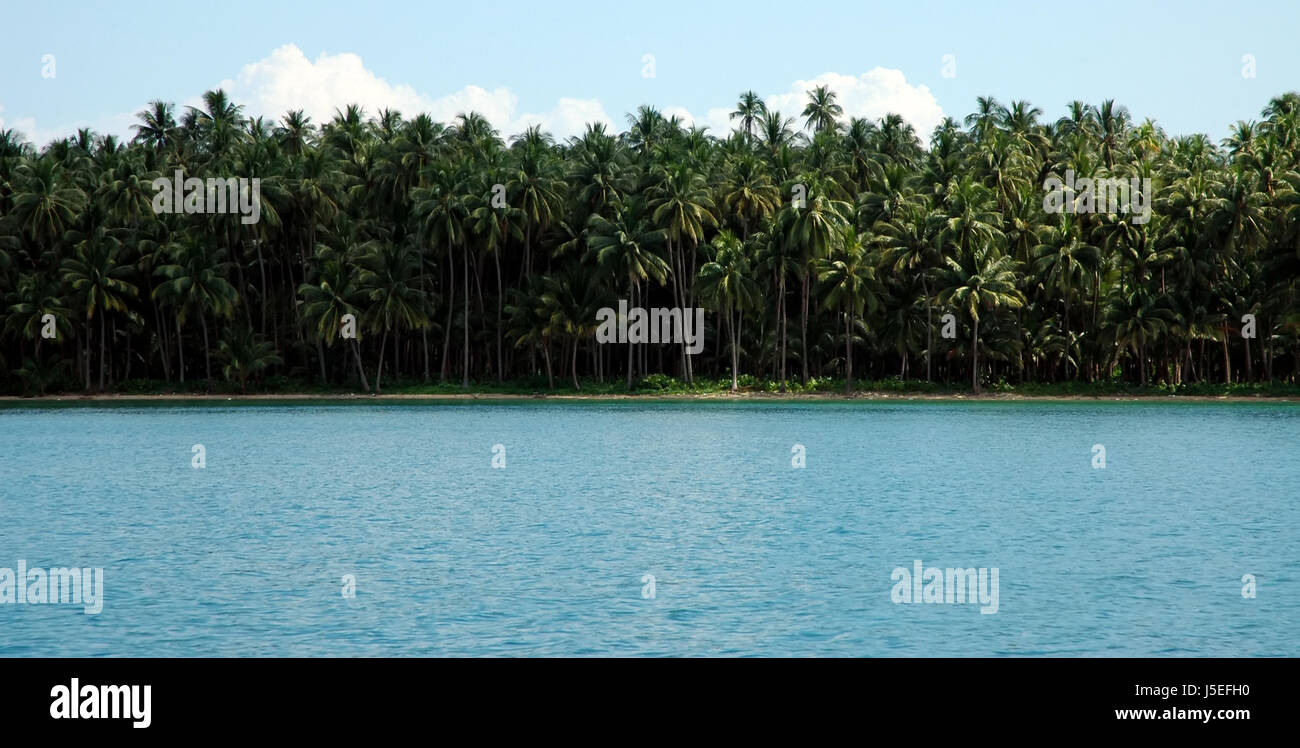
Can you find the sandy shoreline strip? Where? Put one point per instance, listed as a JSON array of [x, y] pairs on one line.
[[645, 397]]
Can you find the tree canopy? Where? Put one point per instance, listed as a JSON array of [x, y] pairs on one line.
[[845, 248]]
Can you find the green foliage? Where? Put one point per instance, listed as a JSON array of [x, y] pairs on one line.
[[831, 255]]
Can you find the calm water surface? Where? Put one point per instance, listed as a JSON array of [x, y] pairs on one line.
[[750, 556]]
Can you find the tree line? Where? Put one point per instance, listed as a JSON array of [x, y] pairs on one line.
[[824, 247]]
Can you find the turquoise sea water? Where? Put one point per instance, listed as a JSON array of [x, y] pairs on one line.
[[246, 557]]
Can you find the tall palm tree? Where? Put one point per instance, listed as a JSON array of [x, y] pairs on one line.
[[822, 111], [975, 280], [327, 301], [684, 208], [750, 109], [813, 229], [387, 281], [850, 281], [194, 283], [99, 278], [1065, 263], [909, 244], [571, 302], [624, 245], [727, 282], [45, 203], [441, 209]]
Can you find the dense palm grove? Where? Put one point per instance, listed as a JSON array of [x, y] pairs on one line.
[[823, 250]]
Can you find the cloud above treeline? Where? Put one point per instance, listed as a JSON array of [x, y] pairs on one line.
[[287, 79]]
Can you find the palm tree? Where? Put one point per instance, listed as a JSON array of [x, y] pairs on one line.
[[641, 213], [571, 302], [495, 227], [781, 260], [535, 186], [684, 209], [328, 301], [624, 245], [822, 112], [1065, 263], [1112, 126], [850, 281], [442, 212], [98, 277], [245, 355], [749, 110], [908, 243], [980, 279], [813, 229], [386, 280], [157, 128], [1139, 318], [749, 194], [36, 295], [194, 283], [44, 203], [727, 282]]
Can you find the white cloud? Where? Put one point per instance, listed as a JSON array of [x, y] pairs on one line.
[[719, 122], [715, 121], [24, 125], [286, 80], [116, 124], [871, 95], [568, 117], [681, 113]]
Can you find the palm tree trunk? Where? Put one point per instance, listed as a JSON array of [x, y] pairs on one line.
[[1227, 361], [740, 335], [320, 356], [102, 352], [631, 285], [731, 328], [1096, 295], [238, 260], [465, 372], [126, 372], [848, 352], [975, 356], [501, 367], [87, 366], [573, 364], [162, 341], [678, 297], [207, 352], [689, 288], [783, 335], [379, 372], [356, 353], [261, 270], [929, 327], [524, 275], [803, 329], [1268, 353], [1249, 374], [451, 307], [180, 351], [546, 355], [424, 330]]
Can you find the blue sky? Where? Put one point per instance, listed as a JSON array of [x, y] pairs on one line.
[[564, 63]]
